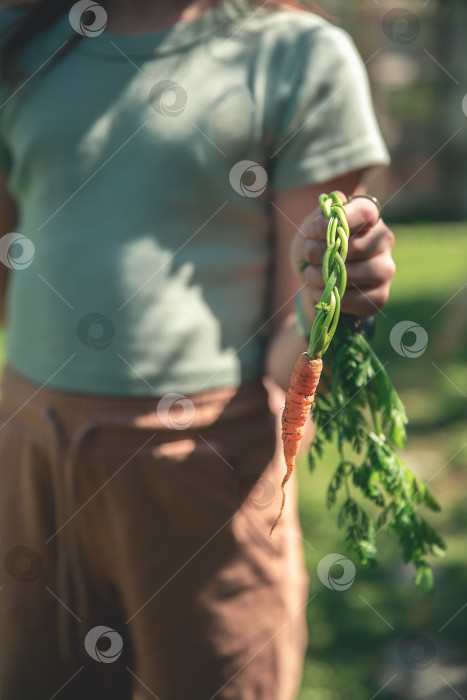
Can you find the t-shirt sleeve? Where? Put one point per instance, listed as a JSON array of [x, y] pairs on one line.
[[322, 120]]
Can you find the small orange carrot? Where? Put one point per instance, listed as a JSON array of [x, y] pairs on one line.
[[307, 371], [298, 400]]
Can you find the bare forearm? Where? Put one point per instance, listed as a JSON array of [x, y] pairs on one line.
[[8, 219], [3, 285]]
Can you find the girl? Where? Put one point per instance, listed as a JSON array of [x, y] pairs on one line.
[[157, 162]]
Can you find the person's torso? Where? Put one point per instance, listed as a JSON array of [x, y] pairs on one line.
[[140, 167]]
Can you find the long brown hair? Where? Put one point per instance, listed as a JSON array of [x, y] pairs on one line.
[[40, 15]]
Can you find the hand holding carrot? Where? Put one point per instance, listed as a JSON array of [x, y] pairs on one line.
[[329, 247], [356, 251], [370, 267], [307, 371]]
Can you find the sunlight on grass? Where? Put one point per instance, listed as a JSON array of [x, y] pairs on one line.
[[431, 261]]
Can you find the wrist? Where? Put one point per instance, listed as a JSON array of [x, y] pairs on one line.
[[364, 326], [367, 328]]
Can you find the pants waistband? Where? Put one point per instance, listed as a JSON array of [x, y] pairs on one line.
[[26, 402]]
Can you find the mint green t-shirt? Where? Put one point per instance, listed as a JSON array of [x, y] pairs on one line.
[[143, 167]]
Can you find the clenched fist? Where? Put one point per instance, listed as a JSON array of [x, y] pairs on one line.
[[370, 267]]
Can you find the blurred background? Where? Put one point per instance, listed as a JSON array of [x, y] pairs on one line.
[[415, 56], [381, 637]]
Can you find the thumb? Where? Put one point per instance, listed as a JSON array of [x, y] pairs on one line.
[[341, 195]]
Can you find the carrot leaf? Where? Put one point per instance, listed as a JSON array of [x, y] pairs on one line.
[[363, 414]]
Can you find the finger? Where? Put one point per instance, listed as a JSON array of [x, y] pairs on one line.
[[341, 195], [362, 215], [313, 252], [360, 275], [359, 301], [367, 273], [315, 225], [362, 246], [371, 198], [314, 296], [313, 277], [370, 242], [365, 301]]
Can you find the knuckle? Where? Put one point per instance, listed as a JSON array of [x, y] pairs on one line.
[[321, 228], [313, 276], [355, 246], [380, 295], [387, 236], [365, 213], [313, 252], [312, 226], [370, 212], [308, 250], [388, 268], [305, 226], [392, 268], [382, 270]]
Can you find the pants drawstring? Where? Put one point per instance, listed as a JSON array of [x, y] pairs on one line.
[[70, 578]]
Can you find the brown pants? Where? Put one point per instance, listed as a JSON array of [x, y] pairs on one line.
[[137, 556]]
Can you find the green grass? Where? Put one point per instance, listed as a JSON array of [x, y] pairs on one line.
[[353, 648], [431, 261]]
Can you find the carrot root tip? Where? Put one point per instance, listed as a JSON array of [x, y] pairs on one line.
[[282, 507]]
